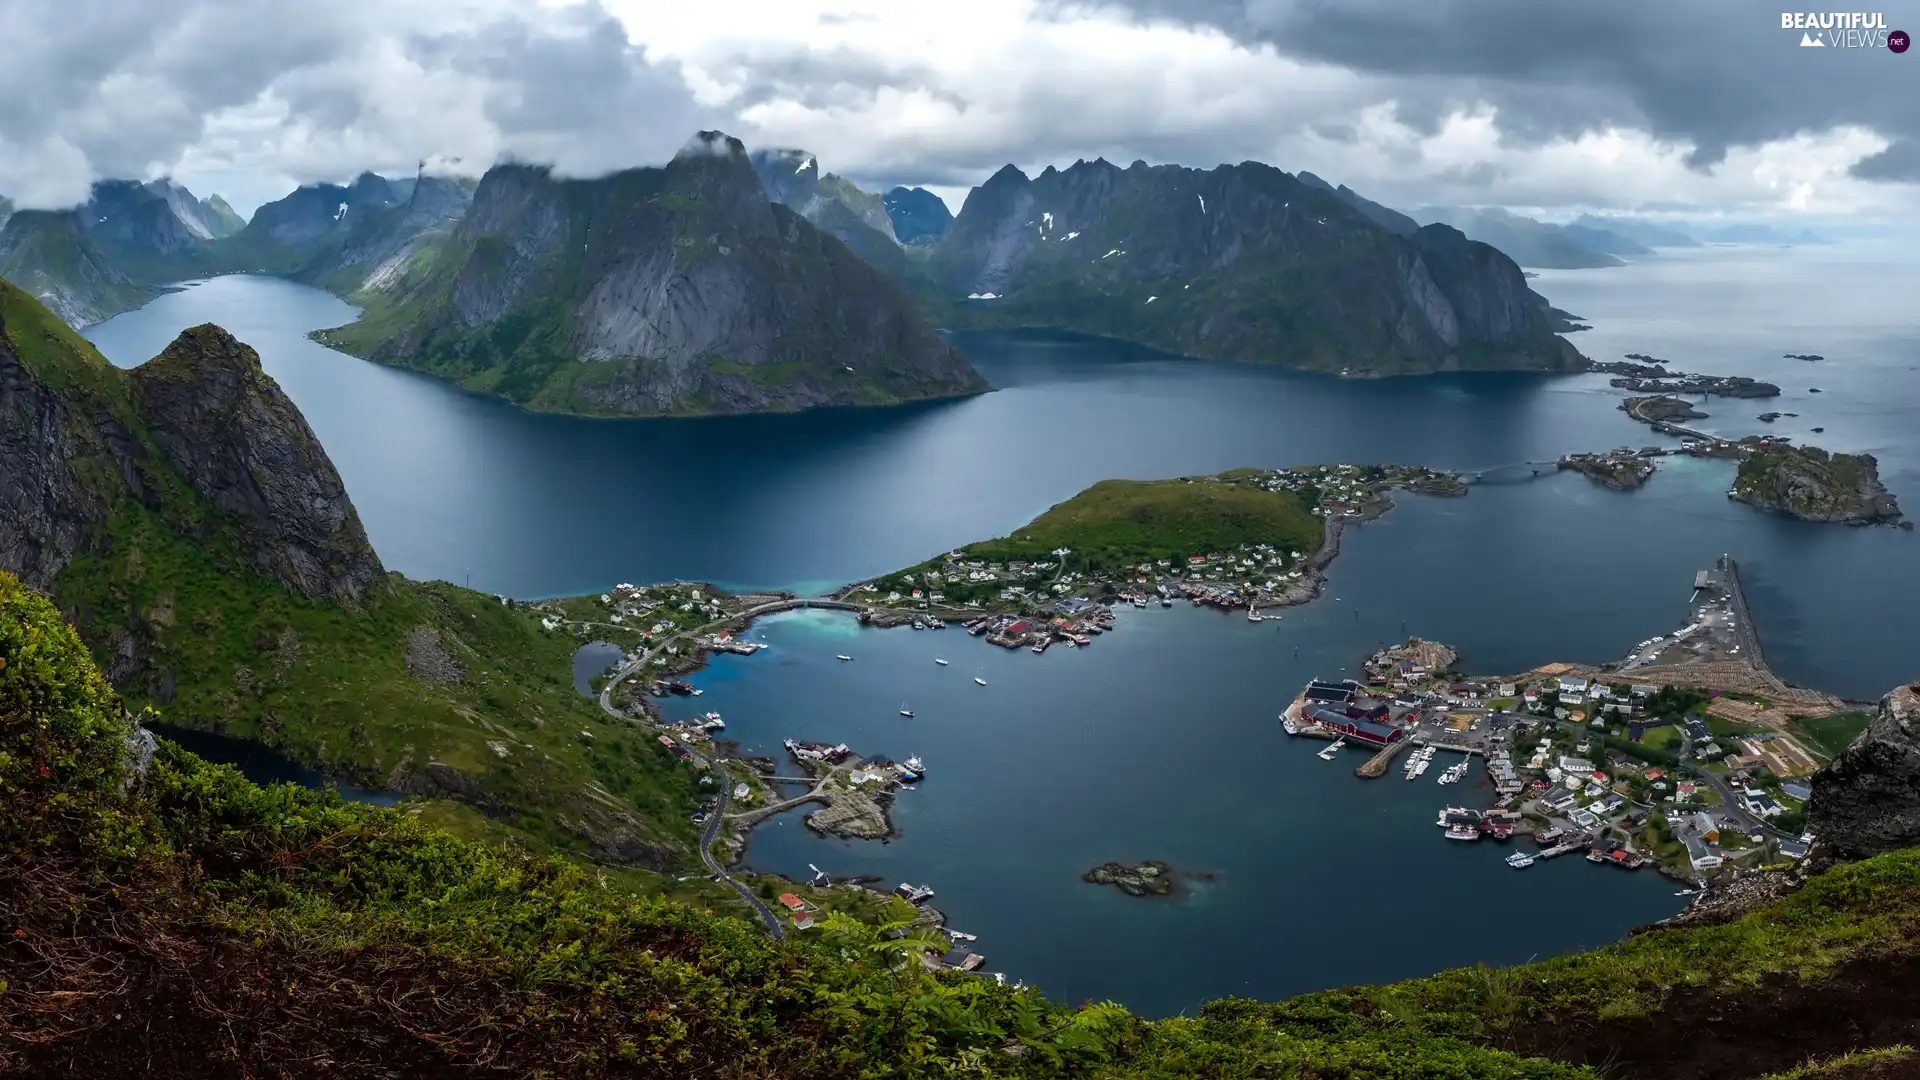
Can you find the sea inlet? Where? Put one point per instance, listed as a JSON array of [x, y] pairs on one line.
[[1160, 741]]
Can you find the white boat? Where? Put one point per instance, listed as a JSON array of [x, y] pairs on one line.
[[1166, 601], [962, 937], [939, 661], [1287, 725], [843, 656], [1520, 860], [913, 766], [904, 711], [1327, 754], [980, 680], [1252, 615]]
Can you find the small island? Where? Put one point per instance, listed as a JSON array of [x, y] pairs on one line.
[[1660, 409], [1621, 471], [1644, 358], [1150, 878], [1802, 356], [1738, 386], [1808, 483]]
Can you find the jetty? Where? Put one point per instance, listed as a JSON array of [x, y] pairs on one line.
[[1376, 766]]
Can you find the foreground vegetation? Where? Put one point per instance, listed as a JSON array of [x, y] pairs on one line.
[[184, 922]]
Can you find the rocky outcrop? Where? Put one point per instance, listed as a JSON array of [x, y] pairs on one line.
[[1150, 878], [680, 289], [1808, 483], [1867, 801], [63, 459], [229, 429], [1241, 262]]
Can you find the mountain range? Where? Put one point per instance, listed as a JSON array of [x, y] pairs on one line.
[[673, 290], [1240, 262], [731, 281]]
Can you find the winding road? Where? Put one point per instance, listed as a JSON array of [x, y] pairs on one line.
[[718, 814]]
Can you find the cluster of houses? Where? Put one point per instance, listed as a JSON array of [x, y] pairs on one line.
[[1042, 630]]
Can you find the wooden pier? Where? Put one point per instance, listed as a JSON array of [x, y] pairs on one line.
[[1376, 765], [1563, 848]]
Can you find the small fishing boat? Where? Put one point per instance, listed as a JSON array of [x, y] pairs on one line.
[[904, 711], [980, 680], [939, 661], [843, 656]]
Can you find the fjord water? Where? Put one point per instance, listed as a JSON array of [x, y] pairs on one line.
[[1159, 741]]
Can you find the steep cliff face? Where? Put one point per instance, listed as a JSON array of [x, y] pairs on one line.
[[187, 522], [232, 433], [680, 289], [1243, 262], [84, 442], [50, 255], [1867, 801], [64, 457]]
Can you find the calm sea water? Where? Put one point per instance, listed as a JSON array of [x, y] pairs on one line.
[[1160, 741]]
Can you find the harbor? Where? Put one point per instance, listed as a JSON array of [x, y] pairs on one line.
[[1622, 762]]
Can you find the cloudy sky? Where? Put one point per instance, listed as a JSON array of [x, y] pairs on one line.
[[1554, 106]]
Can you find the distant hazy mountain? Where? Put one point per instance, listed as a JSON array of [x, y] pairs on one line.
[[209, 219], [292, 232], [682, 289], [919, 216], [380, 239], [1605, 241], [1392, 220], [841, 209], [1647, 233], [1242, 262], [1526, 241], [1756, 234], [49, 255]]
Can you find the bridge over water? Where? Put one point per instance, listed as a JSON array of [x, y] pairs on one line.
[[1511, 473]]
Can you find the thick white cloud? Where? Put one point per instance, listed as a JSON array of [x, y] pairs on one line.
[[250, 97], [942, 92], [257, 95]]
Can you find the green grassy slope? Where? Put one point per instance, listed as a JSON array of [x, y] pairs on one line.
[[252, 928], [423, 687], [1117, 523]]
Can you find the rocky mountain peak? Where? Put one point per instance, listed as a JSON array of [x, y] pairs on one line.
[[227, 427], [1867, 800]]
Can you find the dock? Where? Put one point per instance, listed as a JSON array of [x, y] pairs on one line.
[[1563, 848], [1376, 765]]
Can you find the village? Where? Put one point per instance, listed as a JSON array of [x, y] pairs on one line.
[[1066, 594], [1686, 755]]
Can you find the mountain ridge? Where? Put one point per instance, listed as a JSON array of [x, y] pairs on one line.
[[675, 290], [1240, 262]]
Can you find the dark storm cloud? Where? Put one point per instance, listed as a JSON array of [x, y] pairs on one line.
[[1717, 73]]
